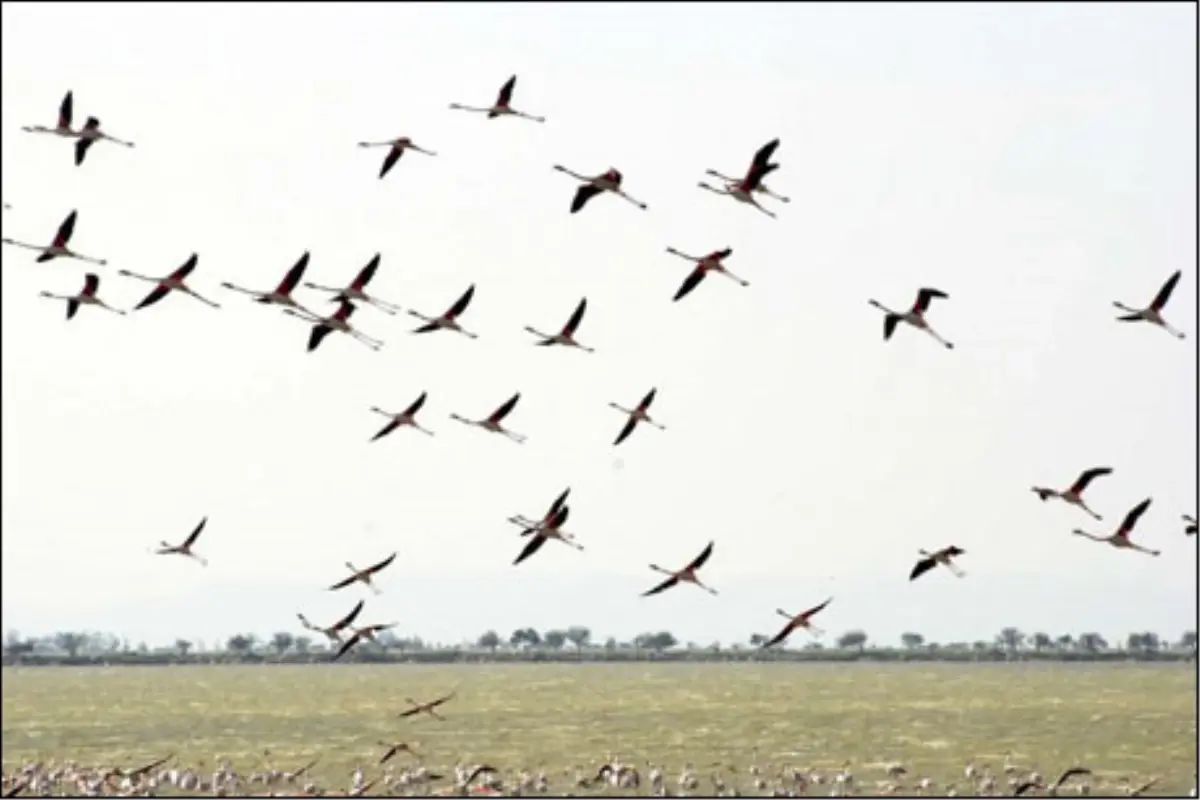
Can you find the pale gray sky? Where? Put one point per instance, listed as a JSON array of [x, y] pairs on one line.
[[1036, 162]]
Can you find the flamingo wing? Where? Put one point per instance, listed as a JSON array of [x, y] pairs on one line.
[[185, 270], [763, 156], [345, 648], [344, 583], [442, 700], [534, 545], [755, 178], [924, 296], [630, 424], [576, 318], [504, 410], [381, 565], [647, 400], [81, 148], [191, 539], [416, 405], [505, 96], [812, 612], [345, 310], [460, 305], [922, 566], [319, 332], [65, 110], [428, 327], [391, 426], [390, 160], [156, 294], [1087, 477], [366, 274], [1132, 517], [1164, 294], [954, 550], [889, 325], [293, 276], [698, 562], [662, 587], [72, 307], [557, 504], [91, 282], [66, 229], [584, 193], [783, 634], [690, 282]]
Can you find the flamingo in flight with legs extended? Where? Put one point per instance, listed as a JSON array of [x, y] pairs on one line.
[[914, 316], [364, 575], [530, 525], [164, 285], [334, 632], [1074, 494], [449, 320], [398, 747], [1153, 312], [637, 415], [281, 295], [1120, 539], [549, 530], [502, 106], [942, 557], [355, 291], [366, 633], [567, 335], [492, 423], [1189, 525], [398, 147], [801, 620], [184, 549], [58, 248], [609, 181], [685, 575], [89, 134], [63, 127], [743, 190], [337, 321], [405, 417], [429, 707], [704, 265], [91, 282]]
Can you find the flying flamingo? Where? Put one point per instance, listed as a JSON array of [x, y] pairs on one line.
[[405, 417], [88, 135], [63, 128], [337, 321], [942, 557], [492, 423], [334, 631], [1190, 525], [58, 247], [801, 620], [91, 283], [567, 335], [915, 316], [685, 575], [743, 190], [364, 575], [637, 415], [609, 181], [550, 530], [398, 747], [398, 147], [282, 294], [165, 285], [530, 525], [355, 290], [709, 263], [429, 708], [1120, 539], [1153, 312], [449, 320], [360, 634], [502, 107], [1074, 494], [184, 549], [761, 188]]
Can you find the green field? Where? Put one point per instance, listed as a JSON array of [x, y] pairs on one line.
[[1134, 721]]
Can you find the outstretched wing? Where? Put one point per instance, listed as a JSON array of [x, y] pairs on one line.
[[72, 307], [319, 332], [381, 565], [889, 325], [81, 148], [690, 282], [91, 282], [156, 294], [534, 545], [630, 424], [576, 318], [390, 160], [416, 405], [783, 634], [582, 195], [345, 648], [505, 96], [812, 612], [187, 267], [504, 410], [460, 305], [699, 560], [196, 533], [1164, 294], [662, 587], [763, 156], [1132, 517], [344, 583], [65, 110], [557, 504], [65, 230], [923, 566], [391, 426], [1087, 477], [293, 275], [647, 400], [366, 274], [924, 296], [428, 327], [346, 620]]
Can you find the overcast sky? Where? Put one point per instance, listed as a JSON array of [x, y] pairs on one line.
[[1035, 162]]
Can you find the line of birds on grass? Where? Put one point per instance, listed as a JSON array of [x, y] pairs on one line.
[[550, 526]]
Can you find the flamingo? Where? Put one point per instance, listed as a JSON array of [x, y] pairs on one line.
[[1190, 525], [429, 708], [449, 320], [355, 290], [501, 107], [91, 282], [530, 525], [360, 634], [685, 575], [704, 265], [1120, 539], [88, 135], [338, 321], [915, 316], [405, 417], [398, 747], [185, 549], [743, 190], [609, 181], [334, 631], [398, 146], [1153, 312], [545, 532], [637, 415], [165, 285], [942, 557], [364, 575], [58, 247], [1073, 495], [567, 335], [281, 295], [492, 423], [63, 128], [801, 620]]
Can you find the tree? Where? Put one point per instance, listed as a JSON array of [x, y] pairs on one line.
[[1092, 642], [579, 636], [1065, 642], [387, 640], [610, 643], [912, 641], [1010, 639], [282, 642], [1145, 642], [1188, 641], [183, 646], [852, 639], [663, 640], [302, 644], [70, 641], [758, 640], [1041, 641], [554, 639], [526, 637], [490, 640], [240, 643]]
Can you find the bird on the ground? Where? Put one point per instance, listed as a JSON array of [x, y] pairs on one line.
[[164, 285], [1153, 312], [449, 320], [609, 181], [337, 321], [685, 575], [503, 105], [58, 247], [744, 190], [914, 316], [942, 557], [1074, 494], [492, 422], [405, 417], [713, 262], [1120, 539], [636, 415], [364, 575], [398, 146], [356, 290], [91, 282], [334, 631], [797, 621], [184, 549], [566, 336]]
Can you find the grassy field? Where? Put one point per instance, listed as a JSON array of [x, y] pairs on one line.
[[1135, 721]]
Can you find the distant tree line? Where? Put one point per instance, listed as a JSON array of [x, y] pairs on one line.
[[576, 643]]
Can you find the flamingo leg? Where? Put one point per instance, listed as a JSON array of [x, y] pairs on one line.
[[574, 175], [733, 277], [937, 336], [460, 107], [637, 203], [387, 308]]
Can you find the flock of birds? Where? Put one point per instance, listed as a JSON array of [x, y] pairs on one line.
[[746, 190]]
